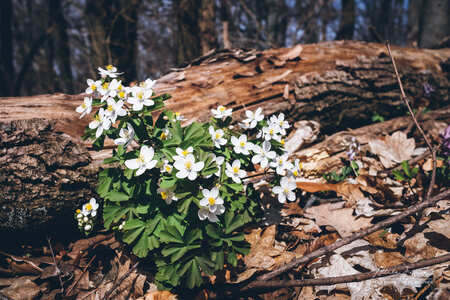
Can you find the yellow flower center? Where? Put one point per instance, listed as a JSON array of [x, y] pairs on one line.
[[280, 161], [184, 152], [211, 201], [93, 87], [141, 158], [188, 165], [300, 165], [110, 108], [242, 144], [109, 67], [164, 195], [163, 136], [97, 118], [222, 108], [282, 141], [217, 135], [105, 85], [140, 95], [83, 105], [122, 94], [88, 206], [286, 191], [78, 211], [168, 169], [295, 173], [235, 170], [271, 131], [177, 114], [119, 88]]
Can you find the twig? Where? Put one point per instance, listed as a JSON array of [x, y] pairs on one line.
[[347, 240], [405, 99], [119, 282], [58, 271], [276, 284], [81, 276]]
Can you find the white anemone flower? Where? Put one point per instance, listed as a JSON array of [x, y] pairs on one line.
[[219, 161], [109, 70], [144, 161], [270, 132], [85, 107], [103, 89], [263, 154], [101, 122], [126, 136], [92, 86], [217, 137], [241, 145], [234, 171], [148, 84], [187, 167], [179, 117], [285, 190], [112, 89], [204, 213], [221, 112], [296, 168], [281, 164], [280, 122], [114, 109], [90, 208], [253, 117], [181, 154], [167, 167], [140, 97], [167, 195], [212, 200]]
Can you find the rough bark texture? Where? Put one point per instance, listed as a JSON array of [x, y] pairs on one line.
[[338, 84]]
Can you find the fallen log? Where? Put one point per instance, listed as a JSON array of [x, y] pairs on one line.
[[47, 170]]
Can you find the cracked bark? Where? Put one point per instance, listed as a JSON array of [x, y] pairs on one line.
[[339, 84]]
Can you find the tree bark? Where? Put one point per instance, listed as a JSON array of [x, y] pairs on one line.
[[347, 23], [6, 67], [47, 170], [435, 23]]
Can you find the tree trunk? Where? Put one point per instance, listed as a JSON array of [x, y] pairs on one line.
[[47, 170], [6, 66], [435, 23], [347, 23]]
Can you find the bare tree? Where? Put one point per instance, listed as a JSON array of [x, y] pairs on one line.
[[347, 22], [434, 25], [6, 66]]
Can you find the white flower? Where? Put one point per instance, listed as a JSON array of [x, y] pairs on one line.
[[88, 227], [183, 153], [112, 89], [92, 86], [85, 107], [217, 137], [285, 190], [296, 168], [241, 145], [221, 112], [281, 164], [270, 132], [167, 195], [121, 225], [101, 122], [234, 171], [280, 122], [103, 89], [90, 208], [204, 213], [148, 84], [110, 71], [144, 161], [167, 167], [126, 136], [188, 167], [140, 97], [219, 161], [114, 109], [165, 134], [212, 201], [179, 117], [253, 117], [263, 154]]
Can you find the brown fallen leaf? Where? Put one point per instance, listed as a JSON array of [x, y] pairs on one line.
[[334, 214], [384, 239], [385, 259], [394, 149], [158, 295], [22, 289]]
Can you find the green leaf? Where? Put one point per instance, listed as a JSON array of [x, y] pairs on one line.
[[104, 185], [141, 248], [167, 182], [194, 277], [232, 222], [171, 234], [133, 224], [212, 231], [193, 131], [130, 235], [117, 196]]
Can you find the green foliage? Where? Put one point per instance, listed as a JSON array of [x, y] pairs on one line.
[[406, 173], [377, 117], [346, 171]]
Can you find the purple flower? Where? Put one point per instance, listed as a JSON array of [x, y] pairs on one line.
[[428, 89]]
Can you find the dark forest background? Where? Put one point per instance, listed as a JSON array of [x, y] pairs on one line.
[[52, 46]]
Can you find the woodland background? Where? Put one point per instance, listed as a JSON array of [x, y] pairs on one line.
[[50, 46]]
